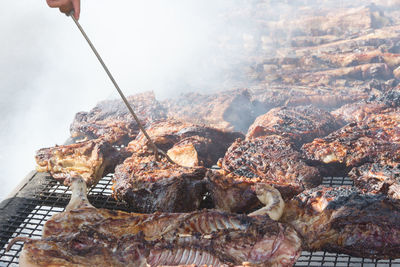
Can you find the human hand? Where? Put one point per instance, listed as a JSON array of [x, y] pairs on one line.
[[66, 6]]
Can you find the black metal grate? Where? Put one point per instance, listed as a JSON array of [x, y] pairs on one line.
[[53, 197]]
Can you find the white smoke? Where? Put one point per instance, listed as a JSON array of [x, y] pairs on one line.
[[48, 72]]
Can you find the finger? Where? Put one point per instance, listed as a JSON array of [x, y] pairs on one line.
[[77, 8], [67, 8], [56, 3]]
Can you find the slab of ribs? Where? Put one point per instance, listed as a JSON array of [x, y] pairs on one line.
[[319, 97], [85, 236]]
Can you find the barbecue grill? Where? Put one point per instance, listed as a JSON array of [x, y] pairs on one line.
[[40, 196]]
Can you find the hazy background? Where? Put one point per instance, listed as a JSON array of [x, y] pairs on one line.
[[48, 73]]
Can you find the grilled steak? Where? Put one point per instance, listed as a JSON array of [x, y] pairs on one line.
[[86, 236], [272, 160], [344, 220], [375, 139], [272, 96], [148, 185], [356, 112], [187, 144], [163, 133], [227, 110], [112, 119], [91, 160], [378, 178], [300, 124]]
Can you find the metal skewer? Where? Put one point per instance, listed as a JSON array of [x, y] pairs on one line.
[[156, 150]]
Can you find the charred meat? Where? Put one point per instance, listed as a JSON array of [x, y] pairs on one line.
[[227, 110], [344, 220], [327, 98], [273, 160], [356, 112], [112, 120], [148, 185], [300, 124], [233, 193], [90, 159], [377, 178], [187, 144], [86, 236], [375, 139]]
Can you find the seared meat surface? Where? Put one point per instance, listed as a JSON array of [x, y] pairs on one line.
[[374, 139], [377, 178], [344, 220], [187, 144], [226, 110], [273, 160], [112, 119], [278, 95], [147, 185], [300, 124], [86, 236], [356, 112], [233, 193], [91, 160]]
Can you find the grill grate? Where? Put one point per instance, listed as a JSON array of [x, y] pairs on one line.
[[53, 197]]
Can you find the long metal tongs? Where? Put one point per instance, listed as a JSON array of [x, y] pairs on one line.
[[156, 150]]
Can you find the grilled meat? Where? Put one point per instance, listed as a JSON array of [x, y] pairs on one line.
[[91, 160], [377, 178], [391, 98], [227, 110], [163, 133], [348, 59], [148, 185], [233, 193], [86, 236], [300, 124], [375, 139], [187, 144], [361, 72], [112, 120], [356, 112], [271, 159], [344, 220], [327, 98]]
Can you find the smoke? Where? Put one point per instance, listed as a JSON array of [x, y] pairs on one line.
[[48, 72]]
